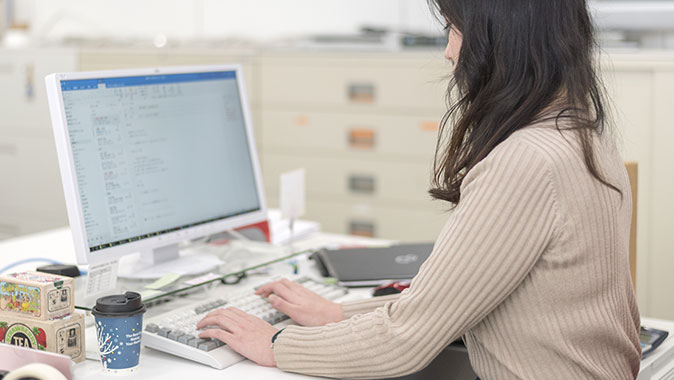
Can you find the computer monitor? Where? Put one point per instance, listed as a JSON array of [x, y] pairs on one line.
[[153, 157]]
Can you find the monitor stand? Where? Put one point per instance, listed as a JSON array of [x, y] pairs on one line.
[[160, 261]]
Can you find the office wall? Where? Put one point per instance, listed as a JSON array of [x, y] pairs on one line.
[[259, 19], [270, 19]]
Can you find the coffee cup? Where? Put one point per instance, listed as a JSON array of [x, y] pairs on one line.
[[119, 327]]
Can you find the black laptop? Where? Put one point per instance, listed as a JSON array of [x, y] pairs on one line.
[[373, 266]]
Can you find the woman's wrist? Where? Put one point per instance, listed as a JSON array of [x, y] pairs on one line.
[[339, 313]]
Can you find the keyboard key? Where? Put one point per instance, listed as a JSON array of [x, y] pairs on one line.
[[174, 335], [267, 316], [196, 342], [179, 326], [208, 345]]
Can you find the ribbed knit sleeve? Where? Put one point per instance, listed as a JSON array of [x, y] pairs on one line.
[[505, 219], [352, 308]]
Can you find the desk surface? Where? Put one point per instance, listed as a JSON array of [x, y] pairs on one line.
[[153, 363], [57, 245]]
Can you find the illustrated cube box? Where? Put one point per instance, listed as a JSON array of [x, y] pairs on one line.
[[63, 336], [37, 295]]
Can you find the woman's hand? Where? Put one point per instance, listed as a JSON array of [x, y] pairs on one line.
[[244, 333], [301, 304]]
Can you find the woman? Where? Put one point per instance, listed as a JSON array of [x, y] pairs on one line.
[[531, 268]]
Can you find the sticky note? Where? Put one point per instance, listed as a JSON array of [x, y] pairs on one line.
[[149, 293], [164, 281]]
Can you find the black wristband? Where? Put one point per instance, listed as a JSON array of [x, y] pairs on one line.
[[273, 338]]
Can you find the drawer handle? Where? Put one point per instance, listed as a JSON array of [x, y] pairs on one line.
[[362, 93], [362, 228], [362, 184], [362, 138]]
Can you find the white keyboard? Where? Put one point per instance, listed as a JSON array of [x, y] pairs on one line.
[[175, 332]]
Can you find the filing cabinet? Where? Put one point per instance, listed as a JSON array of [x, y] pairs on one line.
[[30, 174], [364, 126], [31, 196]]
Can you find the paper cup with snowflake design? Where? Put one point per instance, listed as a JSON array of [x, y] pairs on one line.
[[119, 327]]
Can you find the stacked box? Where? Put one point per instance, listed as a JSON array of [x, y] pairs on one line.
[[37, 295], [37, 311], [63, 336]]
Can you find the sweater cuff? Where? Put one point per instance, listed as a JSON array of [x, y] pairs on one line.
[[284, 356], [300, 349]]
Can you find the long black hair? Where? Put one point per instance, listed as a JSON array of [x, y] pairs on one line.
[[518, 61]]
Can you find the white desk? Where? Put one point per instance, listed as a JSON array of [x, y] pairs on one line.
[[57, 245]]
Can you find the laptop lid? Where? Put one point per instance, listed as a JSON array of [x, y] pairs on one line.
[[374, 266]]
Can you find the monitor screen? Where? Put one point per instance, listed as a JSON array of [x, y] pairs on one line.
[[158, 153]]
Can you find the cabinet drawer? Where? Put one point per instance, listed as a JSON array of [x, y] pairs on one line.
[[338, 133], [30, 177], [364, 179], [399, 84], [365, 219], [19, 220]]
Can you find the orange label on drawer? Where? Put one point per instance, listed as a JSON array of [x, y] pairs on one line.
[[302, 120], [362, 138], [362, 228], [430, 126]]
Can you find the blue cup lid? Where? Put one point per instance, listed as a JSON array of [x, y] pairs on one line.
[[119, 305]]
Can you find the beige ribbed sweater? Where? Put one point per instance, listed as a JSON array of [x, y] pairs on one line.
[[531, 269]]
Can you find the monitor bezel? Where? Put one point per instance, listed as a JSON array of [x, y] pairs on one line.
[[69, 179]]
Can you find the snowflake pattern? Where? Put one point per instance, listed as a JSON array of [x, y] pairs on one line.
[[117, 346], [105, 344]]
